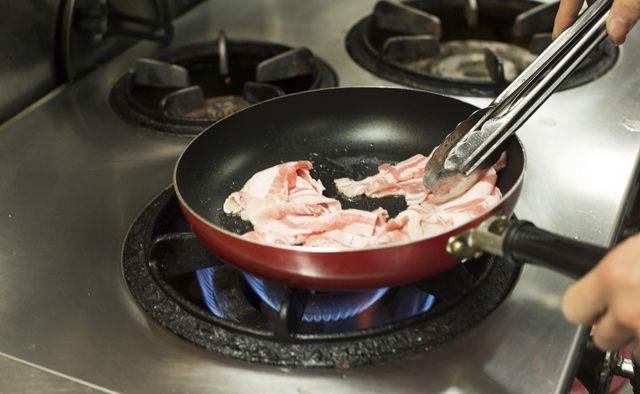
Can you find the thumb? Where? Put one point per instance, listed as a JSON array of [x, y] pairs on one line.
[[623, 15]]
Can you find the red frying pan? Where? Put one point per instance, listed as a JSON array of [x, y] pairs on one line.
[[360, 128]]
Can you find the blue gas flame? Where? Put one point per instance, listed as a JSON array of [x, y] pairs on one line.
[[321, 306], [205, 279], [416, 303]]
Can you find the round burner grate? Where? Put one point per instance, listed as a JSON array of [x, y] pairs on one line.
[[184, 90], [468, 48], [164, 283]]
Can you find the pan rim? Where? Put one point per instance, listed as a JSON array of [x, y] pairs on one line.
[[325, 249]]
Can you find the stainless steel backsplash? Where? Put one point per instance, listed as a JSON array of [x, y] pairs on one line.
[[28, 64], [30, 48]]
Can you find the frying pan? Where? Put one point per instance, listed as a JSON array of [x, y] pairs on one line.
[[348, 132]]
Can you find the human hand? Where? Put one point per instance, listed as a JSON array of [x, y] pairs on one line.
[[622, 17], [610, 290]]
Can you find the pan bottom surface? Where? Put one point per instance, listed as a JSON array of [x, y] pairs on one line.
[[185, 289]]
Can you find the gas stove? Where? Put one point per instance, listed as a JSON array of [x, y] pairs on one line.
[[87, 223]]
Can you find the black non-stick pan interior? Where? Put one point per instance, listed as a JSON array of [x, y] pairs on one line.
[[344, 132]]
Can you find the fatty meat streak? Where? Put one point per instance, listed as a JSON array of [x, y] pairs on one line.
[[286, 206]]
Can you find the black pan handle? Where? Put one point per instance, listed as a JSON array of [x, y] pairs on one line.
[[522, 242], [525, 243]]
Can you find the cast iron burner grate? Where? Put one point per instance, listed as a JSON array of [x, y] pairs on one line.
[[187, 89], [167, 269], [463, 47]]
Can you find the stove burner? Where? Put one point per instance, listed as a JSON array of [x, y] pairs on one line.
[[321, 306], [463, 47], [335, 306], [187, 89], [185, 289]]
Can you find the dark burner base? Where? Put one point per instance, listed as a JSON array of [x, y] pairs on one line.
[[454, 313], [142, 106]]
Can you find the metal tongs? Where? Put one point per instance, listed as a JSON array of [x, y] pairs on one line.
[[476, 143]]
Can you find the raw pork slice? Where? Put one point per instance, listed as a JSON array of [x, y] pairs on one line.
[[402, 179], [286, 206], [280, 190], [427, 219]]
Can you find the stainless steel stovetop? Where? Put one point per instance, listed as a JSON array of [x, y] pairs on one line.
[[73, 177]]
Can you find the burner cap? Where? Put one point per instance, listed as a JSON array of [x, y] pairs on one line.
[[187, 89], [467, 61], [462, 47]]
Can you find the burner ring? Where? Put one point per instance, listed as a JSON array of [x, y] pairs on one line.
[[223, 95], [196, 325], [365, 45]]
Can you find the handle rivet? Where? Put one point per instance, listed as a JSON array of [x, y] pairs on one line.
[[457, 247]]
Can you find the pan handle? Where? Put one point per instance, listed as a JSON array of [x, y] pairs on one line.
[[522, 242]]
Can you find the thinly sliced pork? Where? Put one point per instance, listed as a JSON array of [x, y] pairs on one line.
[[286, 206]]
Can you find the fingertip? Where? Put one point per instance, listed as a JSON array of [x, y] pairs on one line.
[[568, 306], [556, 30], [617, 28], [561, 24], [610, 334], [566, 15], [618, 41], [584, 301]]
